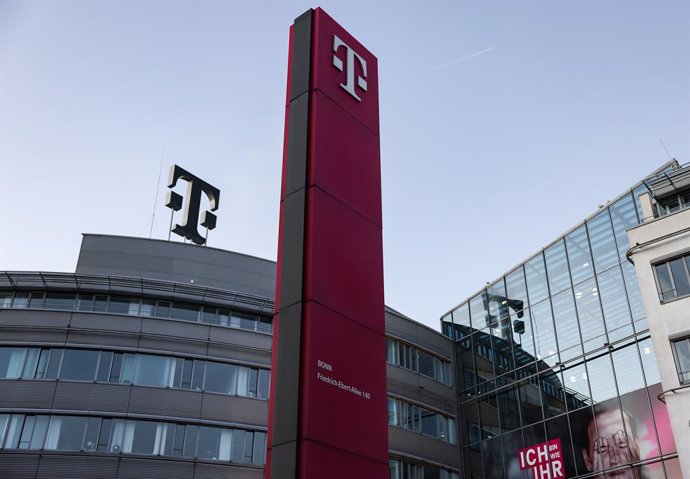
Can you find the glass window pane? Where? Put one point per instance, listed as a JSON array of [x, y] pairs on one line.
[[553, 393], [104, 364], [238, 437], [209, 443], [152, 370], [185, 311], [591, 317], [665, 285], [579, 255], [11, 362], [93, 426], [634, 295], [535, 272], [100, 303], [557, 267], [530, 401], [221, 378], [36, 300], [209, 315], [5, 299], [426, 364], [21, 300], [623, 216], [601, 238], [143, 438], [680, 277], [198, 375], [264, 384], [478, 312], [544, 336], [614, 301], [577, 392], [259, 457], [462, 315], [243, 321], [651, 370], [14, 430], [628, 369], [54, 363], [122, 305], [509, 409], [601, 380], [265, 325], [40, 430], [567, 329], [63, 301], [190, 438], [682, 353], [30, 363], [79, 365], [66, 433]]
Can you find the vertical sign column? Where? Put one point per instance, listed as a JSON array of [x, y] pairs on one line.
[[328, 389]]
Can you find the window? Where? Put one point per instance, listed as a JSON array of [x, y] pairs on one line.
[[419, 419], [409, 357], [124, 436], [673, 278], [681, 351]]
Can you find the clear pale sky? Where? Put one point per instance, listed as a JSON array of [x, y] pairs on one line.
[[503, 123]]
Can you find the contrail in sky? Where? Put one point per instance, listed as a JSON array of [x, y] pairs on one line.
[[471, 55]]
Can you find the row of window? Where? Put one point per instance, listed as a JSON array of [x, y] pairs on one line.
[[419, 419], [409, 357], [673, 203], [399, 469], [136, 307], [127, 436], [133, 368], [673, 278]]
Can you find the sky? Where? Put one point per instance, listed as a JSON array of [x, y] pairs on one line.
[[503, 123]]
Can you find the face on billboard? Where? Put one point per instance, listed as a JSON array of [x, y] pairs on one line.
[[612, 442]]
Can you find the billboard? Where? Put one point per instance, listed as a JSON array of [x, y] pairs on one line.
[[620, 438]]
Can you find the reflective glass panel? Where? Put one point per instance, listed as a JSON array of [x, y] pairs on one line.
[[462, 315], [634, 296], [544, 336], [601, 380], [651, 370], [602, 242], [577, 393], [623, 216], [221, 378], [152, 370], [615, 304], [579, 255], [478, 311], [530, 401], [66, 433], [11, 362], [589, 312], [143, 436], [626, 362], [567, 329], [63, 301], [553, 393], [79, 365], [535, 272], [557, 267]]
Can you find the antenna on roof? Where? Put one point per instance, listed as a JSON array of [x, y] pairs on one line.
[[666, 149], [158, 185]]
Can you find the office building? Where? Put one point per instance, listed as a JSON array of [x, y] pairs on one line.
[[558, 373], [153, 359]]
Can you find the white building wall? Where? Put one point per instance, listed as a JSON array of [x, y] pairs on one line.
[[653, 242]]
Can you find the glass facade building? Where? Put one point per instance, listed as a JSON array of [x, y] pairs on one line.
[[556, 369]]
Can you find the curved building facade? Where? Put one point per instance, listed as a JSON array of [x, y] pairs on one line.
[[153, 360]]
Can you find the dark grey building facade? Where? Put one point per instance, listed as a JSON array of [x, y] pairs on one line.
[[153, 360]]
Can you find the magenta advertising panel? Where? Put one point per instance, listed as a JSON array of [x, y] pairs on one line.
[[620, 438]]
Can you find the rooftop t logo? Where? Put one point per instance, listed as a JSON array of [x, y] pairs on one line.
[[195, 188]]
